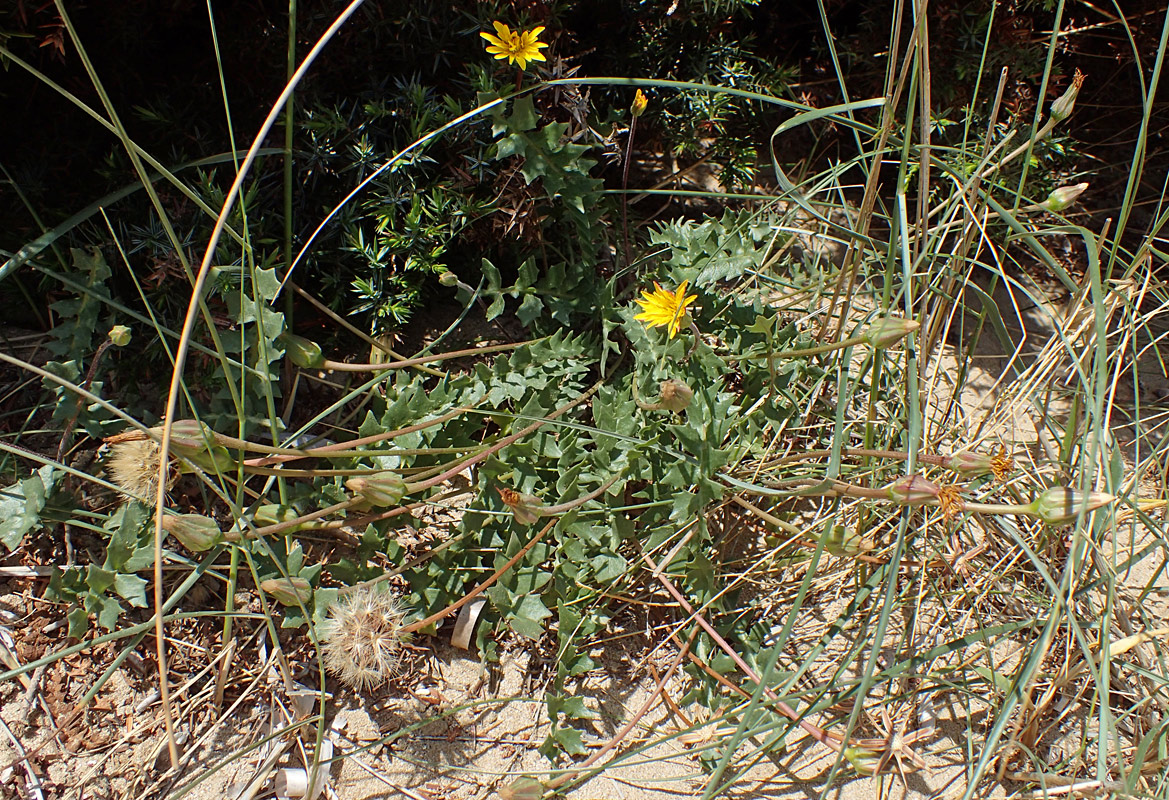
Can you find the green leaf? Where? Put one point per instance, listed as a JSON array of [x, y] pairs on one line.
[[131, 588], [21, 505], [529, 617], [78, 622]]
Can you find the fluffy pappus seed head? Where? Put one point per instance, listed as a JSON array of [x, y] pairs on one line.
[[362, 638], [133, 466]]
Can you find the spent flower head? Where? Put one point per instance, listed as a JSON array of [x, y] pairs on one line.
[[662, 307], [518, 47], [133, 465], [1002, 465], [363, 637], [1061, 109]]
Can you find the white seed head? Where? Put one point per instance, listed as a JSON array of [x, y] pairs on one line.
[[133, 467], [362, 639]]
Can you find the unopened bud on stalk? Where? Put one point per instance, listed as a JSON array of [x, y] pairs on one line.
[[381, 489], [196, 442], [524, 507], [969, 464], [888, 331], [119, 335], [1060, 505], [844, 541], [292, 591], [1063, 197], [862, 759], [913, 490], [1061, 109], [194, 531], [448, 278], [640, 103], [273, 514], [675, 395], [303, 352], [522, 789]]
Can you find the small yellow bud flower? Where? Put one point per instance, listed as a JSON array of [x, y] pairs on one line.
[[640, 103]]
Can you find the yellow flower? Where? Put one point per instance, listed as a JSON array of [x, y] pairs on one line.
[[516, 46], [640, 103], [662, 307]]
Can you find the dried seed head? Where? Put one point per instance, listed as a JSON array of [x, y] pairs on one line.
[[1002, 465], [525, 508], [361, 641], [675, 395], [133, 466]]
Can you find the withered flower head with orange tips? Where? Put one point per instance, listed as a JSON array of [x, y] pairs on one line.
[[1002, 465], [950, 501]]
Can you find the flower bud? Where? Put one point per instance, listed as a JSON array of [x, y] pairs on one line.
[[119, 335], [675, 395], [522, 789], [381, 489], [969, 464], [273, 514], [292, 591], [862, 759], [1060, 505], [1061, 109], [845, 541], [525, 507], [1062, 197], [448, 278], [888, 331], [194, 531], [197, 443], [913, 490], [303, 352], [640, 103]]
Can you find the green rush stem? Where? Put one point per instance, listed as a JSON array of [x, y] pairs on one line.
[[338, 366], [625, 186], [818, 349]]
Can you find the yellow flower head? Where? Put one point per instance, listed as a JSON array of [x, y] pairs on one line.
[[518, 47], [640, 103], [662, 307]]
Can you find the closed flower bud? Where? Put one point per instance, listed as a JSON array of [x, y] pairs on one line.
[[640, 103], [862, 759], [448, 278], [845, 541], [303, 352], [969, 464], [382, 489], [273, 514], [1060, 505], [888, 331], [1063, 197], [194, 531], [197, 443], [913, 490], [675, 395], [292, 591], [522, 789], [524, 507], [1061, 109], [119, 335]]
